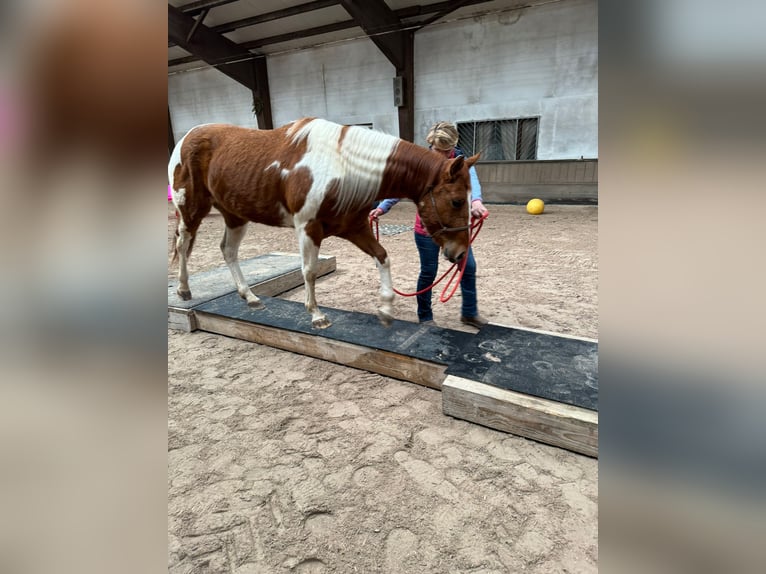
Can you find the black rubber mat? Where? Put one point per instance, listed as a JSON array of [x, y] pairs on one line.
[[547, 366]]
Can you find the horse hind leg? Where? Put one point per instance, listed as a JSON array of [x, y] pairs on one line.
[[189, 219], [183, 248], [192, 202], [232, 238]]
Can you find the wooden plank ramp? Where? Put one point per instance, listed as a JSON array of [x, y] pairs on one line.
[[570, 427], [406, 351], [535, 384], [269, 275], [531, 383]]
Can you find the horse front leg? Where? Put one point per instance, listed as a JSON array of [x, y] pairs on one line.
[[310, 263], [232, 238], [365, 240], [386, 309]]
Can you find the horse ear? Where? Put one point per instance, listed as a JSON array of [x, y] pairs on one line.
[[473, 159], [455, 166]]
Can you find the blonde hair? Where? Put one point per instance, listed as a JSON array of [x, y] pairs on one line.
[[443, 135]]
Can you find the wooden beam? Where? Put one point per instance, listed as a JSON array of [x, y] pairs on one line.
[[333, 27], [197, 22], [451, 7], [275, 15], [407, 72], [260, 42], [262, 95], [194, 8], [347, 354], [412, 11], [270, 16], [171, 137], [550, 422], [315, 31], [211, 47], [381, 25]]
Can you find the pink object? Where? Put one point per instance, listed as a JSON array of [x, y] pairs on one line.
[[170, 196]]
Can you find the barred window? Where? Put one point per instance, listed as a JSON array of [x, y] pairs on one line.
[[500, 139]]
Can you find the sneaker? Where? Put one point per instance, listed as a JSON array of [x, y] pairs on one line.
[[478, 321], [430, 323]]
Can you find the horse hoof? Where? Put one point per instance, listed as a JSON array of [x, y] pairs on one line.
[[322, 323], [184, 294], [385, 319], [256, 305]]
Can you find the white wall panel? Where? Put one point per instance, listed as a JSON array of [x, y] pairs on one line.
[[540, 61], [208, 96], [349, 83]]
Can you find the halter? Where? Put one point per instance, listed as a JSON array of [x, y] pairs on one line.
[[430, 192]]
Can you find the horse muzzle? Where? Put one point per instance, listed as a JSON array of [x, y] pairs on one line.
[[454, 253]]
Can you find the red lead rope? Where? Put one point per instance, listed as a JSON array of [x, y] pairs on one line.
[[457, 269]]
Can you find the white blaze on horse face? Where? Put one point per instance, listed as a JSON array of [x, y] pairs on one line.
[[356, 165]]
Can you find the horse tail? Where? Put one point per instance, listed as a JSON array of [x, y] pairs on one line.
[[174, 260], [182, 173]]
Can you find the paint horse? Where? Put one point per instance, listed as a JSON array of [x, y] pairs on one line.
[[320, 178]]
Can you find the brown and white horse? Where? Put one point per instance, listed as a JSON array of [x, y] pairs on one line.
[[320, 178]]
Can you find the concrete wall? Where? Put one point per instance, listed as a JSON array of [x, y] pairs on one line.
[[539, 61], [208, 96], [348, 83]]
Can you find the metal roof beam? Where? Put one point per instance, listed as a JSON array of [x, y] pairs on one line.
[[275, 15], [194, 8], [377, 20], [439, 7], [210, 47]]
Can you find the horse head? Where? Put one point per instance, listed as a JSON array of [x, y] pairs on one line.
[[444, 208]]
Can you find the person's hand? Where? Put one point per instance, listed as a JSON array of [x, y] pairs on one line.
[[375, 213], [477, 209]]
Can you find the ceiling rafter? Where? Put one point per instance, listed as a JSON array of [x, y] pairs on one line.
[[194, 8], [375, 18], [442, 13], [197, 22], [440, 8], [271, 16], [276, 15], [210, 47]]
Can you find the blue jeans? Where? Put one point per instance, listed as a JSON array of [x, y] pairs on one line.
[[429, 267]]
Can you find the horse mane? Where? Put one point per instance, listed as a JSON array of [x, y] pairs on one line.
[[413, 162]]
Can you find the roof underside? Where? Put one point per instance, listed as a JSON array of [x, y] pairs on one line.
[[246, 29]]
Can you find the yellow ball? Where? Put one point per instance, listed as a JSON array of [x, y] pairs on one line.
[[535, 206]]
